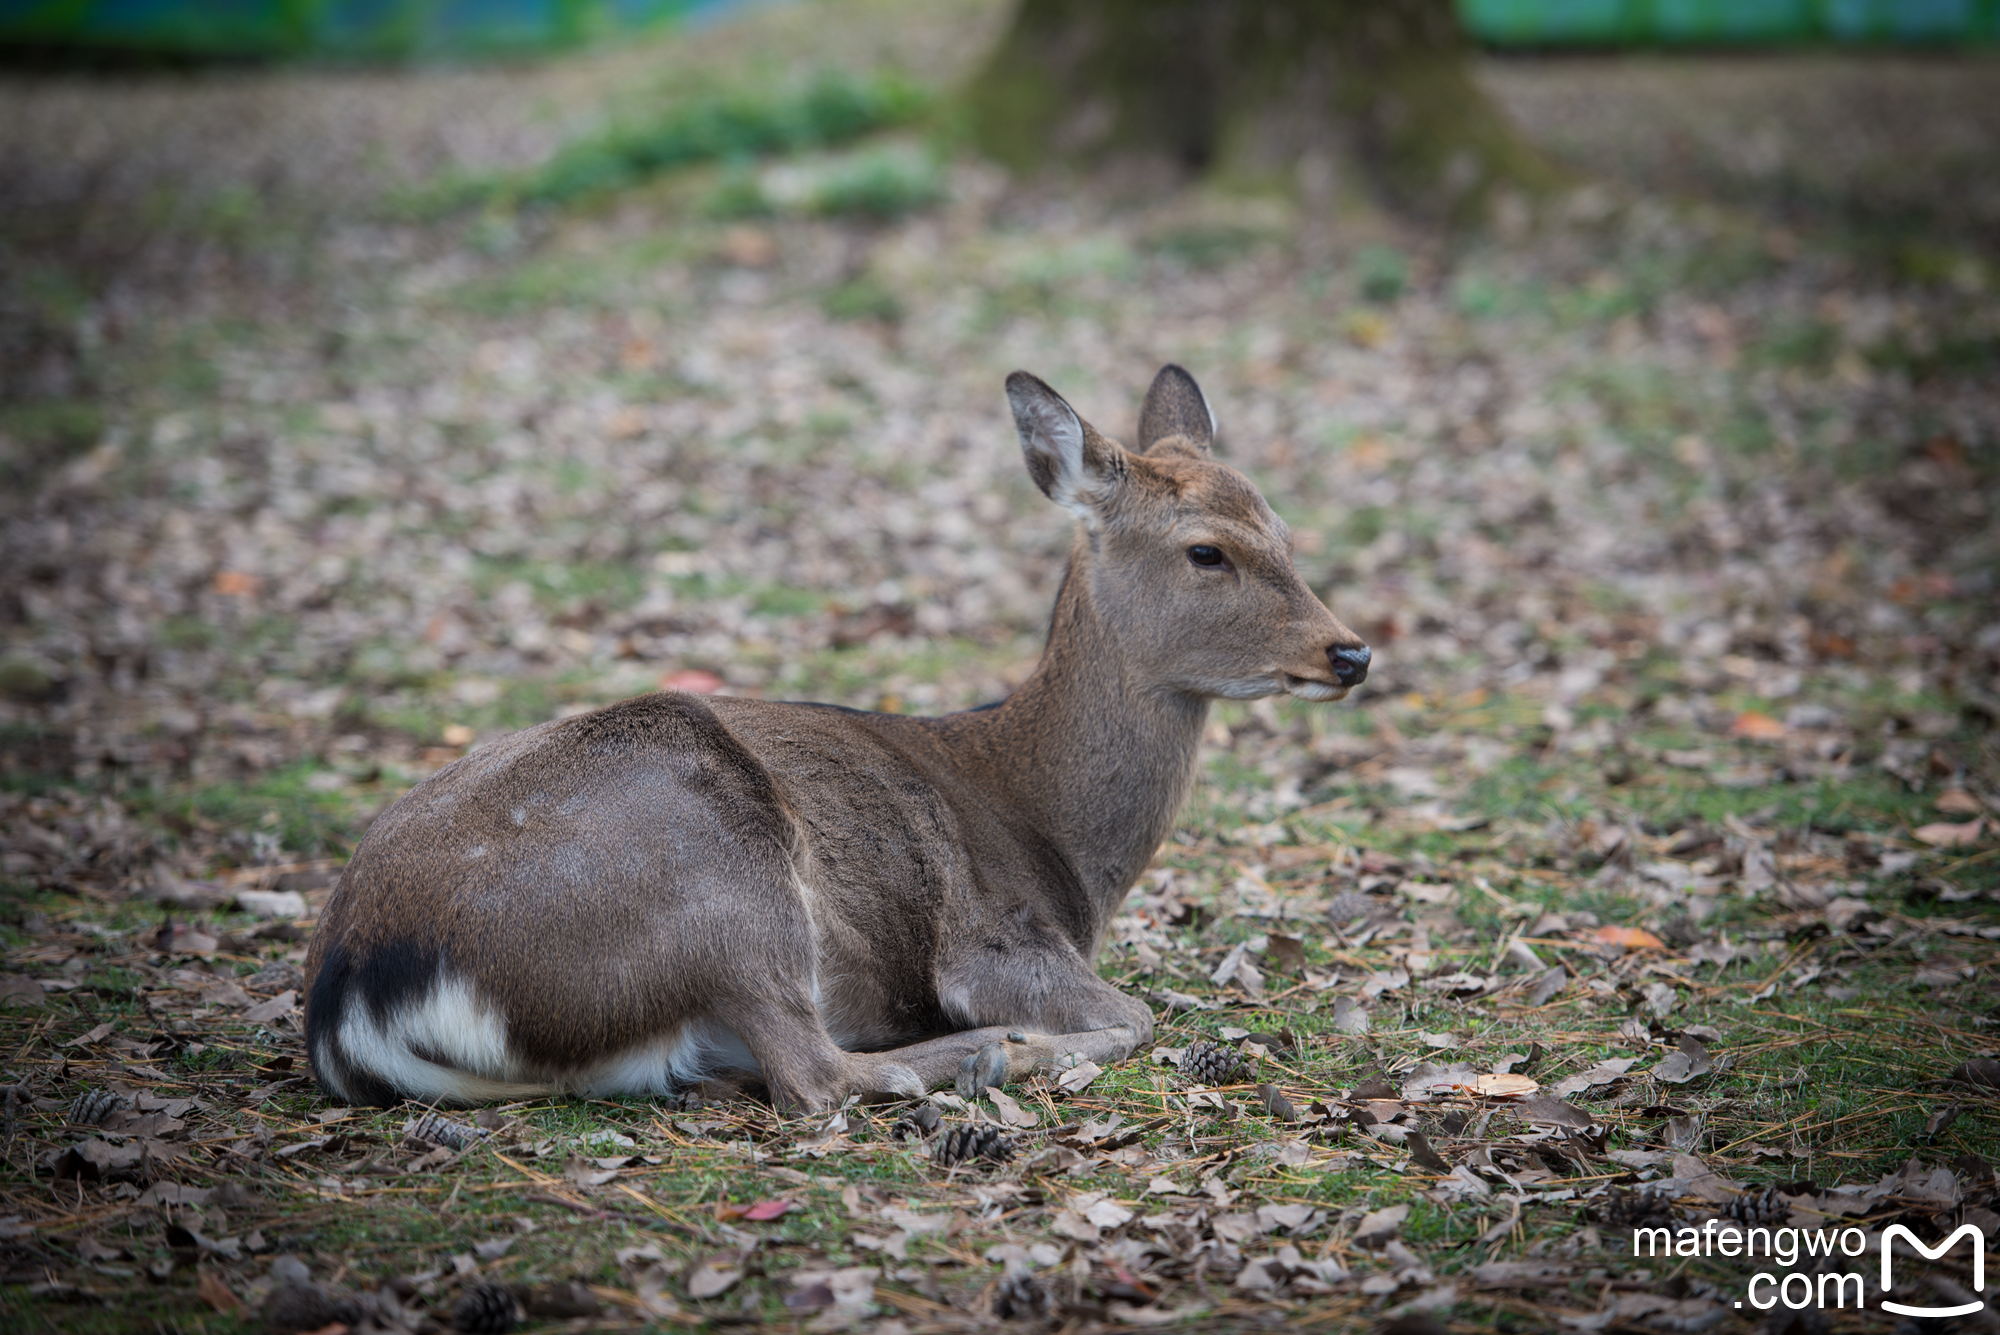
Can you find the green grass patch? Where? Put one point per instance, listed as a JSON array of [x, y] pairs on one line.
[[39, 437], [730, 125], [283, 807]]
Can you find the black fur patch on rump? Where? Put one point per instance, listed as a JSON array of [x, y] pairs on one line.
[[392, 975]]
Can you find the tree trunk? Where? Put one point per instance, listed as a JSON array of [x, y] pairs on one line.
[[1334, 94]]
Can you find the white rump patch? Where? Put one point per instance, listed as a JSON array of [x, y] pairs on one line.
[[451, 1023], [665, 1064], [465, 1057]]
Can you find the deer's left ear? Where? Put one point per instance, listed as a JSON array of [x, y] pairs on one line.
[[1176, 419]]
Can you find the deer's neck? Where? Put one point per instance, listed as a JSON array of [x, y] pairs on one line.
[[1100, 760]]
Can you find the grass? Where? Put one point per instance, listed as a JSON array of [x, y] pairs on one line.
[[38, 437], [304, 818], [1858, 1117]]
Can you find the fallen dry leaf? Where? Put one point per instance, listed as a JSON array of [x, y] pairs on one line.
[[216, 1293], [1077, 1078], [1285, 954], [1944, 834], [1011, 1113], [583, 1173], [1548, 985], [1959, 802], [272, 903], [1979, 1072], [1152, 1315], [266, 1011], [1631, 938], [1237, 968], [1704, 1181], [713, 1275], [1546, 1109], [1420, 1149], [1378, 1226], [1941, 1119], [758, 1212], [1505, 1086], [1756, 727], [1604, 1073], [181, 939], [1687, 1061], [21, 992], [1276, 1103], [1073, 1225], [1107, 1213], [1461, 1183], [1349, 1017]]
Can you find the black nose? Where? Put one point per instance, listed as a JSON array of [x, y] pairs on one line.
[[1350, 666]]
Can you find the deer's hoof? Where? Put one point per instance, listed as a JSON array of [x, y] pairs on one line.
[[987, 1066]]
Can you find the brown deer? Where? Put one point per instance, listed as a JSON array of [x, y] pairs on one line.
[[833, 902]]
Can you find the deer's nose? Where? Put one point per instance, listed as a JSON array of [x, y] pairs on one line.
[[1350, 666]]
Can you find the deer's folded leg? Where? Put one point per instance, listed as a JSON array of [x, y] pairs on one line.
[[1003, 1054]]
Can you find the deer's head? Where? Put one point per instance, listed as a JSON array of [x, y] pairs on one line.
[[1188, 569]]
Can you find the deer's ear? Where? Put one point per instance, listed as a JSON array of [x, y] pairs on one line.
[[1074, 466], [1176, 419]]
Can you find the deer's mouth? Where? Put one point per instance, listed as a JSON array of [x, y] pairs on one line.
[[1309, 688]]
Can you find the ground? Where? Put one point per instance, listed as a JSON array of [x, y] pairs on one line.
[[352, 418]]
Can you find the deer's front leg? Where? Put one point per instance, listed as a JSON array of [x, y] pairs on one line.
[[1032, 1009], [994, 1055]]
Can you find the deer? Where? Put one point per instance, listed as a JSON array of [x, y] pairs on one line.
[[823, 901]]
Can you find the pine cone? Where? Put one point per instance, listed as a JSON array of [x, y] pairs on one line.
[[562, 1302], [1624, 1208], [484, 1309], [436, 1130], [94, 1105], [1349, 905], [962, 1143], [1755, 1208], [920, 1122], [1210, 1063], [1020, 1295], [295, 1306]]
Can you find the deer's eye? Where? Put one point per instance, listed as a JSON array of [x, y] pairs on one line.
[[1204, 555]]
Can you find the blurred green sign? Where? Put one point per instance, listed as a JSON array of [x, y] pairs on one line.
[[418, 28], [339, 28], [1731, 22]]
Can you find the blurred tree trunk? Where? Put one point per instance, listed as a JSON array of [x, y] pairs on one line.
[[1342, 96]]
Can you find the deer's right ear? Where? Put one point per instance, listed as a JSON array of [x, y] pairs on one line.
[[1073, 465]]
